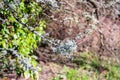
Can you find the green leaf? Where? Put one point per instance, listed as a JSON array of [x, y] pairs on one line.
[[37, 75], [27, 74], [34, 63], [24, 20]]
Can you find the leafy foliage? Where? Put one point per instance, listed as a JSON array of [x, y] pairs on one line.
[[14, 31]]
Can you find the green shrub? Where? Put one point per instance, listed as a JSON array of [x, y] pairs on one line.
[[16, 32]]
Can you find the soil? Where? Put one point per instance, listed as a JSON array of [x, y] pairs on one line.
[[104, 41]]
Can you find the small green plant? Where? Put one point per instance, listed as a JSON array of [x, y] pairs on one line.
[[90, 67], [76, 74], [101, 69]]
